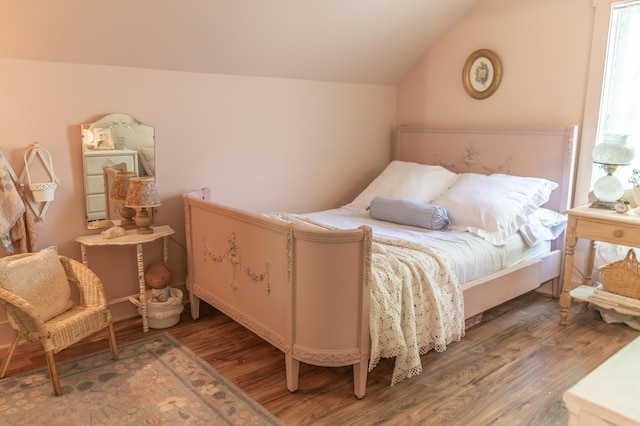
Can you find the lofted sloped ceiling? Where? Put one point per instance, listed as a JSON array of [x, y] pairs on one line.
[[355, 41]]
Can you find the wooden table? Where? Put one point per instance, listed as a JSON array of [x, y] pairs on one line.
[[132, 238], [595, 225]]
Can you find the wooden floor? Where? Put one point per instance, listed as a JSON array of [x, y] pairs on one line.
[[511, 369]]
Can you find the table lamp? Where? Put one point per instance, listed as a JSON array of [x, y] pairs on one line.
[[143, 195], [119, 191], [610, 155]]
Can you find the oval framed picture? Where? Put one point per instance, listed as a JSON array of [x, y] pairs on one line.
[[482, 73]]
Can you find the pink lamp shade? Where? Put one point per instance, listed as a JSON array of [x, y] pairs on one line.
[[120, 185], [142, 193], [118, 193]]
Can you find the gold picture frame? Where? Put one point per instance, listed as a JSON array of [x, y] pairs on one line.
[[482, 73]]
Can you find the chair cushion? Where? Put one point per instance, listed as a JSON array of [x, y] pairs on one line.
[[40, 279]]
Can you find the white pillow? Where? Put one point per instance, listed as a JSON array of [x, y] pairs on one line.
[[493, 207], [406, 181], [543, 225], [40, 279]]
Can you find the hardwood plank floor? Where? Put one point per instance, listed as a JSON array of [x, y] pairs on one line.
[[511, 369]]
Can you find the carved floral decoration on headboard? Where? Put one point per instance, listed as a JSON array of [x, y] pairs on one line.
[[233, 256], [471, 162]]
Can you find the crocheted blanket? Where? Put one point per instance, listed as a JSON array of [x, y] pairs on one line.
[[416, 302]]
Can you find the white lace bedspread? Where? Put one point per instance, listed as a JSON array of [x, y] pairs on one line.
[[416, 302]]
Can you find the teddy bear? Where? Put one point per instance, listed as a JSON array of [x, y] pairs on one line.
[[158, 276]]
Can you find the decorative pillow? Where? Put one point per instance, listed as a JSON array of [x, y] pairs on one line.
[[407, 181], [493, 207], [411, 213], [542, 225], [40, 279]]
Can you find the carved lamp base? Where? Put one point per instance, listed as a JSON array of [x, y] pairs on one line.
[[144, 221]]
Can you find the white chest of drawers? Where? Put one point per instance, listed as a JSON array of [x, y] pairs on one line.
[[94, 163]]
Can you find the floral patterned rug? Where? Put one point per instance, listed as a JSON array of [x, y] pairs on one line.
[[156, 381]]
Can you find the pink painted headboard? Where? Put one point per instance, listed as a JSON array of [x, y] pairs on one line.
[[548, 152]]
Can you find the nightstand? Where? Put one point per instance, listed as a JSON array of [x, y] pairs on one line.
[[595, 225], [132, 238]]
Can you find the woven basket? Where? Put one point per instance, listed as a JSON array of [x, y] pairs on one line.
[[622, 277]]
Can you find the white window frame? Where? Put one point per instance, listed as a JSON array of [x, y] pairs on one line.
[[593, 96]]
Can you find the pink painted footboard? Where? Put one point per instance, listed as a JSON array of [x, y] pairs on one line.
[[304, 291]]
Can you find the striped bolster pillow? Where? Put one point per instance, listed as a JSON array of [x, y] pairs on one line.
[[411, 213]]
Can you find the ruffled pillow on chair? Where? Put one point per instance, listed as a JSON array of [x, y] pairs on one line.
[[40, 279]]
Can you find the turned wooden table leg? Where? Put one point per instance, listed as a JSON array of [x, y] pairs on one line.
[[565, 296], [588, 279], [141, 284]]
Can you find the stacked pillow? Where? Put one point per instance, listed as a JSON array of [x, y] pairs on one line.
[[406, 181], [493, 207]]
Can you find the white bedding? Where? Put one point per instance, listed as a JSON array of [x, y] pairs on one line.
[[469, 256], [416, 293]]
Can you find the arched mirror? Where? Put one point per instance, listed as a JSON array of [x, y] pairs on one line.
[[115, 143]]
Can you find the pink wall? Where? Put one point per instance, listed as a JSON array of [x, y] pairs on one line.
[[280, 144], [544, 47], [259, 143]]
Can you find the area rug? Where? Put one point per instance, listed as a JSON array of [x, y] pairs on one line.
[[156, 381]]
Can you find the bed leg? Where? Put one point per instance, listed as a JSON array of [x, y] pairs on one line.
[[360, 378], [194, 303], [293, 368]]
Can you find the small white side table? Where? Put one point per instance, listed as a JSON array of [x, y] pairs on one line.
[[609, 394], [132, 238]]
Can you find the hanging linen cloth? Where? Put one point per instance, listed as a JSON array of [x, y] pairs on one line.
[[24, 233], [11, 205]]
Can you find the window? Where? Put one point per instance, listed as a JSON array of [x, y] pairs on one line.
[[620, 102]]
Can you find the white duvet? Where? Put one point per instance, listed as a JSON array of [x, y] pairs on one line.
[[469, 256], [416, 297]]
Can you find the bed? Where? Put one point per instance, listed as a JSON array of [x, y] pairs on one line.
[[304, 282]]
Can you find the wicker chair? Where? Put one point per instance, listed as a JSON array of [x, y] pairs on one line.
[[90, 316]]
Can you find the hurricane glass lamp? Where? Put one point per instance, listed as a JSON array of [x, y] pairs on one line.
[[118, 193], [611, 154], [143, 195]]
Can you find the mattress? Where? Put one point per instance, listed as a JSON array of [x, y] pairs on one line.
[[469, 256]]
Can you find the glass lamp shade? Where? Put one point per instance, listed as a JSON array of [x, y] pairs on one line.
[[614, 150]]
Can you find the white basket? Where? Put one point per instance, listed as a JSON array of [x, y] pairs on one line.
[[41, 192], [162, 314]]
